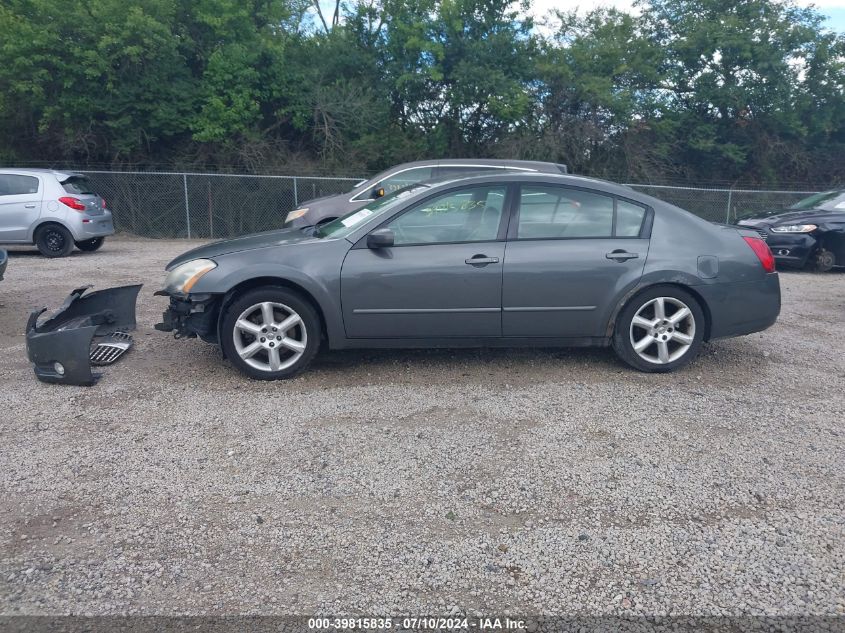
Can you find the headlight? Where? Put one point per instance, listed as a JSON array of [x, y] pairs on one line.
[[795, 228], [298, 213], [181, 279]]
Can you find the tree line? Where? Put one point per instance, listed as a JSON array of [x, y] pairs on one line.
[[716, 91]]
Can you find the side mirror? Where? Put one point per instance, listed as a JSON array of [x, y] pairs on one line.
[[383, 238], [378, 192]]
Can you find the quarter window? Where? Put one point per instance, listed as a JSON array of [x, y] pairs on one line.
[[629, 219], [464, 215], [14, 185]]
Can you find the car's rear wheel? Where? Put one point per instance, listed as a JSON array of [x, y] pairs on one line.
[[53, 240], [271, 333], [89, 246], [659, 330]]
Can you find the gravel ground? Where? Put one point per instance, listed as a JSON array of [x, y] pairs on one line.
[[521, 481]]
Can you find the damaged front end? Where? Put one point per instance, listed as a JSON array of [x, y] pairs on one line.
[[87, 329], [190, 316]]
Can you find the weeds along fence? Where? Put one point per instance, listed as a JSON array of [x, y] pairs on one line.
[[207, 206]]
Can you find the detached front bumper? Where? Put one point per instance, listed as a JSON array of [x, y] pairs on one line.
[[87, 328], [191, 316]]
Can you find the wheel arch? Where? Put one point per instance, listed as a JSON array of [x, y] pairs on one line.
[[258, 282], [41, 223], [638, 290]]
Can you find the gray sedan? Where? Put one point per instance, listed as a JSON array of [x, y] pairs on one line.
[[491, 260]]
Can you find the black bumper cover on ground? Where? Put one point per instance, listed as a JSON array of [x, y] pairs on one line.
[[60, 346]]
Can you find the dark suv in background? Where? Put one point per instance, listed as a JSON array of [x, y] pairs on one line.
[[321, 210]]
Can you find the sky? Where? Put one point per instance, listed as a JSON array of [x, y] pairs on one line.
[[834, 9]]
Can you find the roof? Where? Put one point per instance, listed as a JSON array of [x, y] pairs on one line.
[[495, 162], [60, 175], [566, 179]]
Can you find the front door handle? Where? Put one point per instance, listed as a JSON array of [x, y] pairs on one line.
[[620, 256], [481, 260]]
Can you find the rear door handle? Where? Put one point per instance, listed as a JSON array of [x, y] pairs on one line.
[[29, 206], [621, 256], [481, 260]]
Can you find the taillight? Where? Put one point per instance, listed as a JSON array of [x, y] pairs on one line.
[[104, 202], [73, 203], [763, 252]]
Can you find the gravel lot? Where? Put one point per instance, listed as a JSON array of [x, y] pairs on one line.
[[533, 482]]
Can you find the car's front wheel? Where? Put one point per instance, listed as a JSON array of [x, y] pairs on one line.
[[659, 330], [89, 246], [270, 333], [824, 260]]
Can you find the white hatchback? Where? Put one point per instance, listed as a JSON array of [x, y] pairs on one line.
[[54, 210]]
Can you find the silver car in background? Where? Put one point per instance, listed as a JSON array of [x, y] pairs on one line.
[[328, 208], [54, 210]]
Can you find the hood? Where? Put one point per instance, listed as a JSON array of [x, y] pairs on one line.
[[787, 216], [317, 200], [280, 237]]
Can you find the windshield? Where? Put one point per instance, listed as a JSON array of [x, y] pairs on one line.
[[343, 226], [816, 200]]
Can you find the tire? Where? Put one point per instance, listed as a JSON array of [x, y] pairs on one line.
[[89, 246], [270, 359], [668, 351], [823, 260], [53, 240]]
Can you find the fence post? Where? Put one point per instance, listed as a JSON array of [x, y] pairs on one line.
[[728, 213], [295, 194], [187, 209]]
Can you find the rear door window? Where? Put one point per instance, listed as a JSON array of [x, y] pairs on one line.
[[548, 212], [15, 185], [78, 185], [556, 212]]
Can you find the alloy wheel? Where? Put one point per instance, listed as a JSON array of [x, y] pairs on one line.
[[662, 330], [270, 336]]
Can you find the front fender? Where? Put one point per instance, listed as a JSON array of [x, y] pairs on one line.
[[223, 280]]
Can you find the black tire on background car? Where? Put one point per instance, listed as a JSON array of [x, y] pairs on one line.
[[270, 333], [89, 246], [659, 330], [53, 240]]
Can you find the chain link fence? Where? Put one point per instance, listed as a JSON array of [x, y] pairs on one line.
[[187, 205], [167, 205], [722, 205]]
